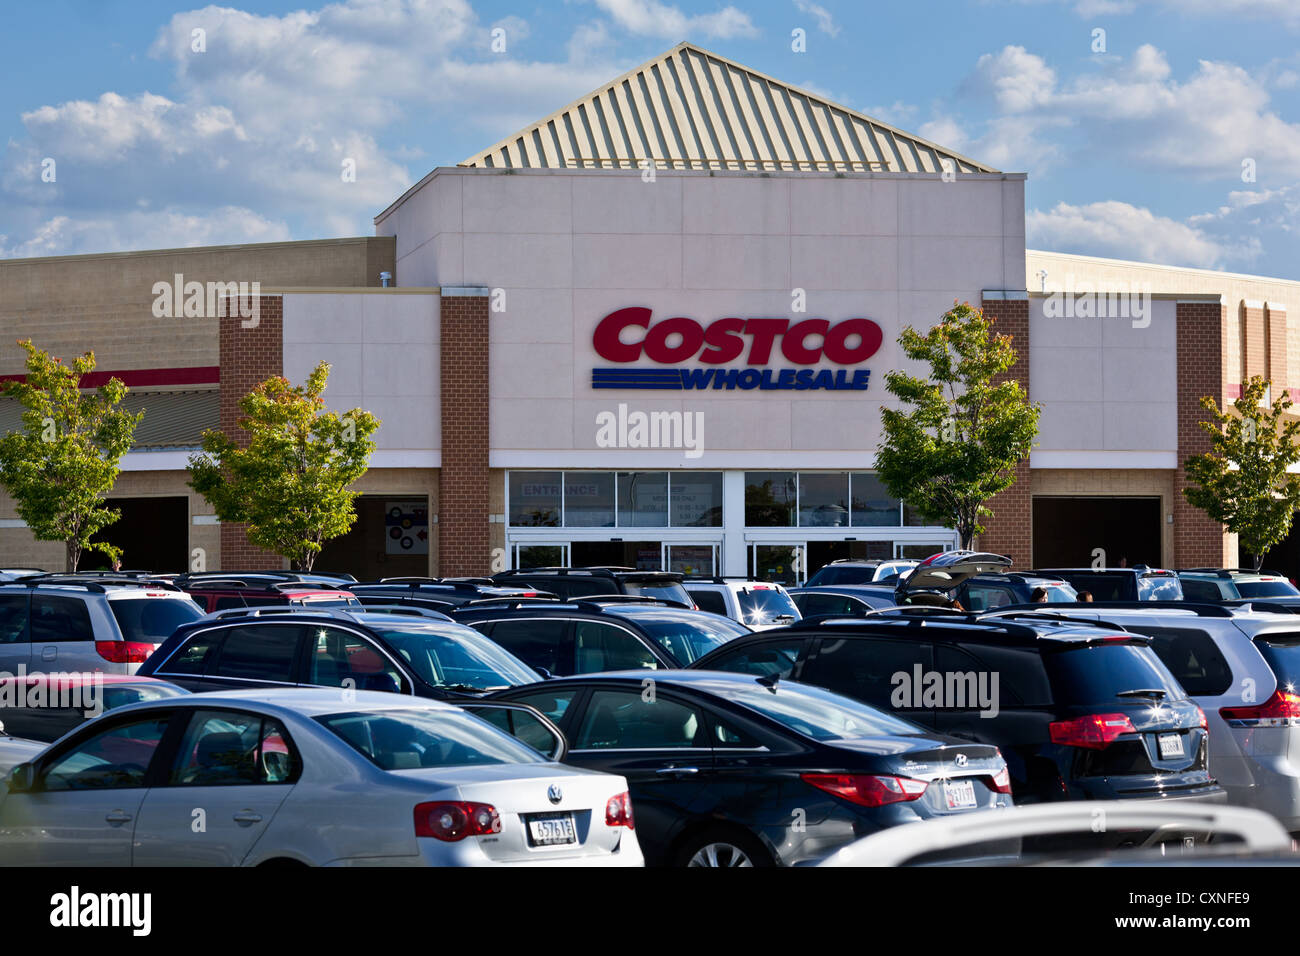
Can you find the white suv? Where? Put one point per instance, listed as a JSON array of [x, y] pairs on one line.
[[759, 605], [69, 622]]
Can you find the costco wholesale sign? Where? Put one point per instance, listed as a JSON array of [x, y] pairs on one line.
[[673, 342]]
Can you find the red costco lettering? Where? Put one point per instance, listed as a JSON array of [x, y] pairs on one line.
[[680, 339]]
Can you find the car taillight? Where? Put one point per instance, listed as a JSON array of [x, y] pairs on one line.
[[453, 820], [618, 811], [867, 790], [1205, 724], [1002, 781], [1096, 731], [124, 652], [1278, 711]]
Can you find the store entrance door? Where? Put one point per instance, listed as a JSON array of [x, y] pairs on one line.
[[1069, 531]]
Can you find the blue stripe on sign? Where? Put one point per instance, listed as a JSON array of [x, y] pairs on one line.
[[637, 378]]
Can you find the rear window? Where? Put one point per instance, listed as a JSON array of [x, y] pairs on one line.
[[1097, 674], [1103, 587], [688, 637], [1198, 590], [1163, 588], [843, 575], [152, 620], [1251, 589], [759, 605], [411, 739], [1282, 652], [668, 591], [711, 601]]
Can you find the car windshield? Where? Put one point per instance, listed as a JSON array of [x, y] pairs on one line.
[[1250, 589], [812, 711], [688, 636], [412, 739], [453, 656], [152, 620], [1059, 593], [759, 604], [1162, 588]]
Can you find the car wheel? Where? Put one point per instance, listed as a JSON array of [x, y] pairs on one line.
[[723, 848]]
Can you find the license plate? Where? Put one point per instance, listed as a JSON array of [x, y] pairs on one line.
[[959, 794], [1171, 745], [551, 829]]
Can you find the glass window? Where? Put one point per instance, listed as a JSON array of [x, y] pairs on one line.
[[411, 739], [226, 748], [685, 635], [1162, 588], [1252, 589], [603, 647], [1021, 677], [625, 720], [813, 604], [57, 618], [643, 499], [339, 658], [760, 605], [194, 656], [553, 703], [872, 505], [152, 620], [453, 656], [538, 642], [1192, 656], [1197, 590], [521, 724], [770, 499], [824, 500], [535, 499], [541, 556], [589, 499], [814, 712], [711, 601], [863, 668], [115, 759], [1097, 674], [696, 499], [264, 652], [691, 559], [985, 597], [763, 660], [13, 618]]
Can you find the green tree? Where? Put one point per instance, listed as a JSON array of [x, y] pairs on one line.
[[290, 483], [1242, 482], [955, 442], [63, 462]]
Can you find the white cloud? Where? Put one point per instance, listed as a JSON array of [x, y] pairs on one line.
[[1016, 79], [1120, 230], [654, 19], [166, 229], [825, 22]]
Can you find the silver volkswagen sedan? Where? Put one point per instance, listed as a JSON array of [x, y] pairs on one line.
[[307, 776]]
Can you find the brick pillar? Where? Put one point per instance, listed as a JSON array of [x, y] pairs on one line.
[[1010, 530], [464, 532], [249, 356], [1279, 372], [1202, 326], [1257, 351]]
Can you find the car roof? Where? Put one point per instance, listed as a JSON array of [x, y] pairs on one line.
[[303, 701], [1026, 628]]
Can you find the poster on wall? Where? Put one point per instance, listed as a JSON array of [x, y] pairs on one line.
[[406, 527]]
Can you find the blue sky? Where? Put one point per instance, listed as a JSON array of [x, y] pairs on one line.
[[1134, 151]]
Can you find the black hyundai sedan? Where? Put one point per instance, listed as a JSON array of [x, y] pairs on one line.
[[729, 770]]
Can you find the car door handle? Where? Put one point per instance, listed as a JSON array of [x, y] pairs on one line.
[[117, 816], [248, 816], [666, 771], [49, 653]]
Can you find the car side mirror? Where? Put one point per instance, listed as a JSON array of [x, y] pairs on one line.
[[22, 778], [546, 675]]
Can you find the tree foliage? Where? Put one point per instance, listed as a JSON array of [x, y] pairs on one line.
[[1243, 481], [65, 459], [290, 482], [955, 442]]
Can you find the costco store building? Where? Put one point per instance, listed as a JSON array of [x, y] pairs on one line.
[[652, 330]]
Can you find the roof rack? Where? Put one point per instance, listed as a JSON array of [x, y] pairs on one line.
[[1228, 572], [1201, 608], [1065, 618], [277, 610], [400, 610], [1268, 607], [513, 602], [92, 582], [414, 580], [413, 584], [721, 578]]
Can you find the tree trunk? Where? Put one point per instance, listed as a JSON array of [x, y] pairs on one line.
[[72, 555]]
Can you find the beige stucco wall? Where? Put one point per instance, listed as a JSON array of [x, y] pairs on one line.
[[68, 304], [1089, 273]]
